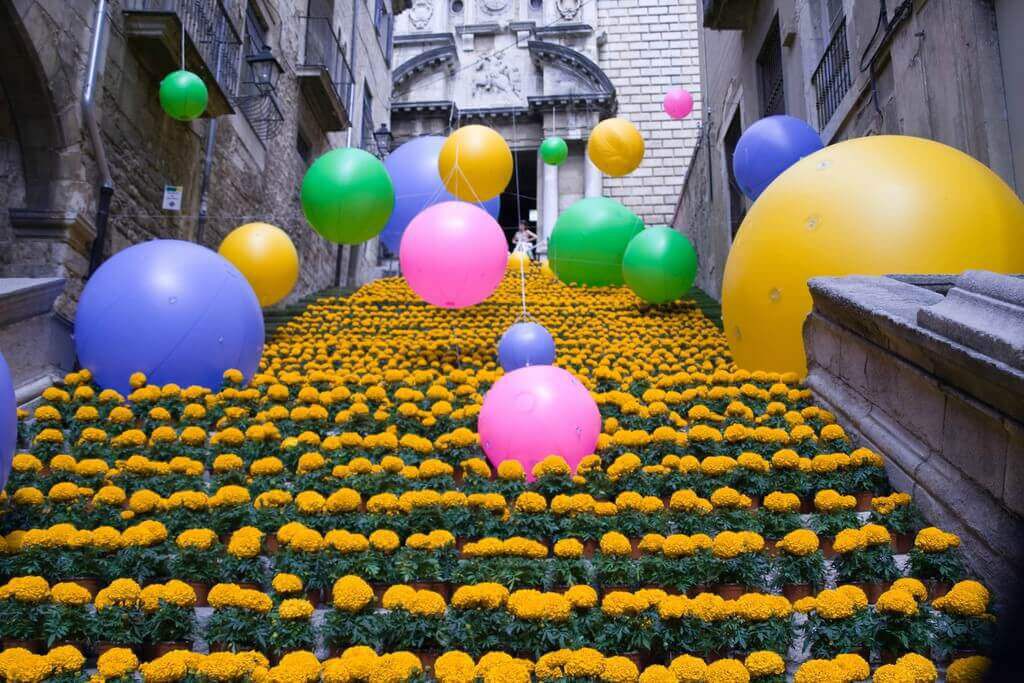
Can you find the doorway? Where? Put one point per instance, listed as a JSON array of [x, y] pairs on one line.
[[737, 205], [526, 166]]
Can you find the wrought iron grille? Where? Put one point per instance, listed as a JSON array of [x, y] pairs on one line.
[[263, 113], [831, 79], [324, 50], [208, 24], [366, 140], [384, 22], [769, 70]]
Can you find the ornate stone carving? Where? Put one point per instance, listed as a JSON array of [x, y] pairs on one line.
[[493, 75], [421, 14], [494, 6], [569, 9]]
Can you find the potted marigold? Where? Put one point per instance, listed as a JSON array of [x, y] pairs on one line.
[[964, 625], [513, 562], [936, 560], [614, 566], [567, 567], [625, 626], [239, 619], [692, 625], [688, 512], [552, 476], [117, 665], [291, 628], [799, 568], [765, 666], [678, 564], [22, 609], [900, 516], [414, 621], [779, 514], [66, 664], [140, 555], [118, 620], [67, 619], [230, 508], [168, 617], [352, 621], [304, 553], [195, 561], [863, 476], [541, 622], [732, 511], [241, 563], [901, 623], [838, 621], [759, 622], [835, 512], [864, 557], [477, 620], [530, 517], [737, 562], [638, 515], [426, 561]]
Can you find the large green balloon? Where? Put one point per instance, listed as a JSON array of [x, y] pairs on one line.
[[588, 241], [659, 265], [347, 195], [183, 95], [554, 151]]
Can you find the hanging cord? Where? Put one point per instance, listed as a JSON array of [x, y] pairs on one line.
[[182, 48]]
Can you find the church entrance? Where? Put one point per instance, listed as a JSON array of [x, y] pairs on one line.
[[521, 205]]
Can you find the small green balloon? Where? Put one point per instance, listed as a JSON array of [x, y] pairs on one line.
[[659, 265], [588, 241], [183, 95], [554, 151], [347, 196]]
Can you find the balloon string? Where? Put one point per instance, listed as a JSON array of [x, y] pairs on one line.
[[182, 48]]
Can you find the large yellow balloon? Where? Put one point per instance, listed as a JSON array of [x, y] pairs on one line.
[[267, 258], [517, 260], [616, 147], [871, 206], [475, 163]]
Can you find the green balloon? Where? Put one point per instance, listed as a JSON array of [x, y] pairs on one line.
[[183, 95], [347, 196], [554, 151], [589, 239], [659, 265]]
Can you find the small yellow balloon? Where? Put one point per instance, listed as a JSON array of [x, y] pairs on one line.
[[867, 206], [267, 258], [518, 259], [545, 268], [475, 163], [616, 147]]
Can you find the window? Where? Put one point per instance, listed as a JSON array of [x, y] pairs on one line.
[[259, 107], [769, 71], [831, 78], [385, 25], [367, 142], [304, 149], [737, 206]]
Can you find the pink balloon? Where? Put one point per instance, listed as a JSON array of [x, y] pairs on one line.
[[453, 254], [678, 103], [537, 411]]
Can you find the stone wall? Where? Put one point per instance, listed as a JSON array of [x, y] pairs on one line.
[[935, 382], [651, 46], [943, 54]]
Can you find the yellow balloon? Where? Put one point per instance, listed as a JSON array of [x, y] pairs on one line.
[[267, 258], [517, 259], [545, 268], [475, 163], [616, 147], [869, 206]]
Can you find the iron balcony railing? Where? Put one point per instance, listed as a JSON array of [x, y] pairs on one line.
[[831, 79], [208, 25], [324, 50]]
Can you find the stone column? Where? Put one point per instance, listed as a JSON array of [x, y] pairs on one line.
[[591, 178], [549, 208]]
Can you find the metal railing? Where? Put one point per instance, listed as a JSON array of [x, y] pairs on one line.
[[324, 50], [831, 78], [384, 23], [263, 113], [208, 25]]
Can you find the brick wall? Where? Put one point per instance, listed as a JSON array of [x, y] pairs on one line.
[[651, 46]]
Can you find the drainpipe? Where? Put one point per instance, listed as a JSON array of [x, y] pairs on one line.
[[353, 250], [89, 116]]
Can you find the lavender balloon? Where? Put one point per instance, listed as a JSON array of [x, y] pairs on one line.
[[535, 412], [417, 183], [174, 310], [8, 421], [524, 344]]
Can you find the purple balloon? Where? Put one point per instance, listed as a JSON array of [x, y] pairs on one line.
[[525, 344], [769, 147], [174, 310], [8, 421], [417, 182]]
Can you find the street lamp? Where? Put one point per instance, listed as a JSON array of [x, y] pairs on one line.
[[383, 137], [265, 70]]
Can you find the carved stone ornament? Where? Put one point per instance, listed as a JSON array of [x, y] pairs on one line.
[[493, 76], [569, 9], [421, 14], [493, 6]]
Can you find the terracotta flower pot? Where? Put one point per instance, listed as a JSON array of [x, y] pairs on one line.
[[694, 591], [863, 501], [806, 506], [378, 589], [315, 597], [873, 589], [936, 589], [795, 591], [220, 647], [90, 584], [730, 591], [427, 659], [826, 548], [33, 646], [436, 586], [589, 548], [102, 646], [156, 650], [635, 553], [202, 592], [270, 544], [605, 590], [902, 543], [770, 547], [250, 586], [755, 502]]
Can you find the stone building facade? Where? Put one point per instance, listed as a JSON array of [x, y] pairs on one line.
[[939, 69], [331, 87], [535, 68]]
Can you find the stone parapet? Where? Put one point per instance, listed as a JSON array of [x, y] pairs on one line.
[[935, 382]]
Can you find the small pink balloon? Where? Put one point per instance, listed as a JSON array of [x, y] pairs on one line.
[[678, 103], [453, 254], [537, 411]]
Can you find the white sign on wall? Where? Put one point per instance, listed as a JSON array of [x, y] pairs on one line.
[[172, 197]]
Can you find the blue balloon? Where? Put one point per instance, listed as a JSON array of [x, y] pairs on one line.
[[525, 344], [174, 310], [8, 421], [768, 148], [417, 182]]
